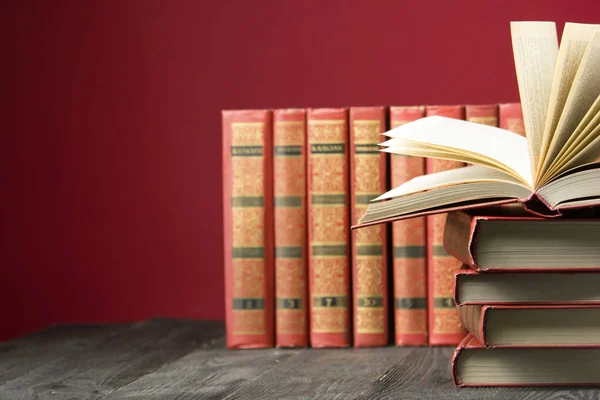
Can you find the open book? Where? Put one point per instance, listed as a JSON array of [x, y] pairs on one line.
[[550, 171]]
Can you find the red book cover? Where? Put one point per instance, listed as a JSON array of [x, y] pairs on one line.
[[474, 318], [248, 228], [471, 351], [328, 227], [408, 238], [463, 229], [444, 325], [511, 118], [368, 179], [486, 114], [291, 256]]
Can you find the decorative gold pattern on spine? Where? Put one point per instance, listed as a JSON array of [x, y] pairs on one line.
[[290, 222], [369, 258], [248, 240], [329, 266]]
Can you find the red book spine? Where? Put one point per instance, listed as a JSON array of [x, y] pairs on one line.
[[409, 239], [511, 117], [289, 168], [486, 114], [248, 228], [368, 179], [328, 227], [444, 325]]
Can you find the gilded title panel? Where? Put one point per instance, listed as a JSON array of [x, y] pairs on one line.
[[247, 133], [326, 131]]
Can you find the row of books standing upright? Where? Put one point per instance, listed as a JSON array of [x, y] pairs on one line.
[[294, 181]]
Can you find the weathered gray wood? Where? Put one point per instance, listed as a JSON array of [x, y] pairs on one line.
[[115, 361], [185, 360]]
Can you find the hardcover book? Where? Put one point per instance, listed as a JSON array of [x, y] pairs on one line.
[[486, 114], [508, 239], [291, 256], [533, 325], [474, 365], [550, 171], [248, 227], [328, 222], [368, 178], [409, 248], [511, 118], [444, 325], [526, 288]]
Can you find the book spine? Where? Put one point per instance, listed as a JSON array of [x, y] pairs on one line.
[[408, 239], [468, 343], [460, 235], [248, 228], [471, 318], [289, 168], [511, 117], [486, 114], [328, 227], [444, 325], [368, 179]]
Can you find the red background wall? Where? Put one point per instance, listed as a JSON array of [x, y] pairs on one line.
[[111, 202]]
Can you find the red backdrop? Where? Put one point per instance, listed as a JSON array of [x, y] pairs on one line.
[[111, 204]]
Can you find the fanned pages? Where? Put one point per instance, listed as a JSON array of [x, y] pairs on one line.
[[550, 171]]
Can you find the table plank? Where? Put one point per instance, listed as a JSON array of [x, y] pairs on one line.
[[118, 359]]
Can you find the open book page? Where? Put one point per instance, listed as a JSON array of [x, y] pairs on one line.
[[583, 93], [417, 149], [480, 142], [582, 137], [587, 152], [474, 173], [535, 48], [573, 44]]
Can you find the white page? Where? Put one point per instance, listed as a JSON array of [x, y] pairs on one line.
[[583, 93], [473, 173], [506, 147], [573, 44], [535, 48]]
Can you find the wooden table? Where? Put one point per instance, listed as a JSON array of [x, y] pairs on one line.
[[175, 359]]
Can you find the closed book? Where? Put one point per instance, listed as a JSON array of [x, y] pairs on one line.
[[508, 239], [510, 117], [248, 228], [516, 288], [368, 178], [533, 325], [408, 248], [444, 325], [486, 114], [328, 227], [291, 256], [473, 365]]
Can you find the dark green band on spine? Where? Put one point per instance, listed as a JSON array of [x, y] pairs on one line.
[[329, 301], [373, 250], [326, 199], [288, 303], [247, 201], [410, 303], [248, 252], [370, 302], [288, 201], [365, 199], [248, 304], [331, 250], [328, 148], [440, 251], [443, 302], [409, 251], [288, 252], [288, 150], [366, 149], [246, 151]]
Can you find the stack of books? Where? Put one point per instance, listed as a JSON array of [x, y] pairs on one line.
[[523, 216], [529, 297]]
